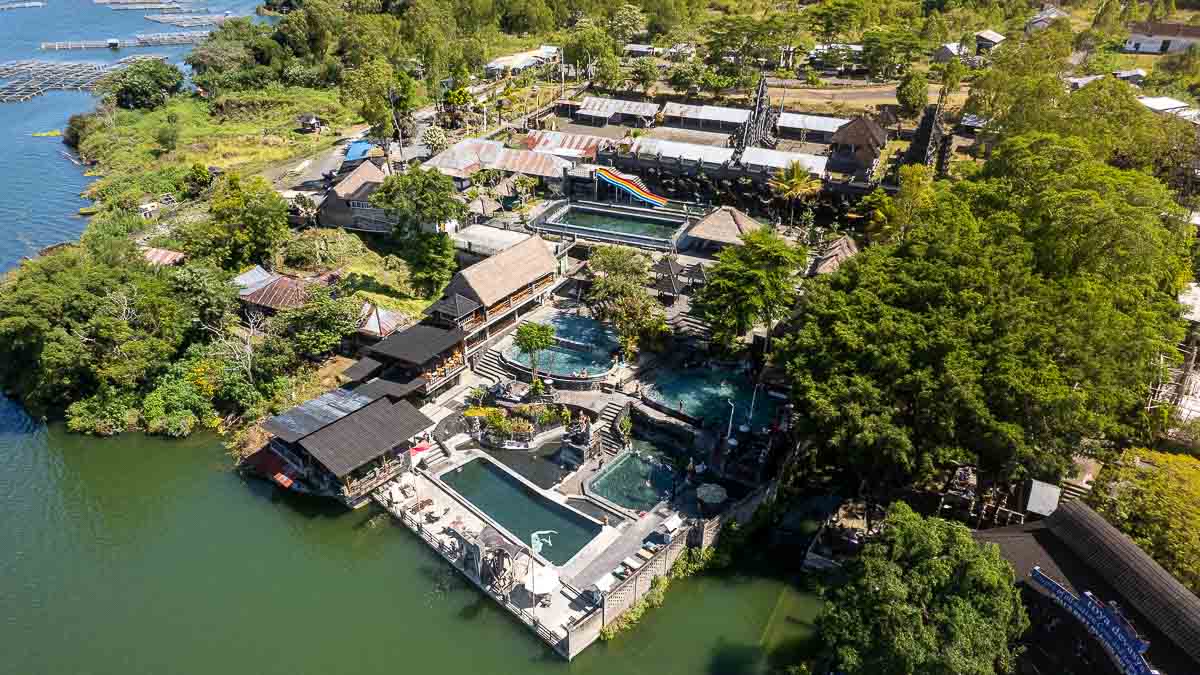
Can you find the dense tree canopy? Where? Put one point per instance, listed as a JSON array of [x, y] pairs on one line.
[[142, 84], [1154, 497], [754, 283], [620, 296], [925, 598], [419, 198], [248, 224], [1024, 312]]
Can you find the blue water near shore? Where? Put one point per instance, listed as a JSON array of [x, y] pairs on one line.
[[39, 187]]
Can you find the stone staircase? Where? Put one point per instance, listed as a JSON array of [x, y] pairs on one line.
[[689, 325], [490, 366], [608, 438], [1072, 490], [435, 457]]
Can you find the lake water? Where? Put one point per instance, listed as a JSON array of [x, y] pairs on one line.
[[142, 555]]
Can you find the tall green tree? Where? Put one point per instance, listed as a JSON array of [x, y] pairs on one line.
[[912, 93], [626, 22], [924, 597], [620, 296], [318, 326], [1022, 312], [644, 74], [532, 339], [432, 259], [142, 85], [419, 199], [752, 283], [367, 90], [248, 224], [795, 184], [1154, 497]]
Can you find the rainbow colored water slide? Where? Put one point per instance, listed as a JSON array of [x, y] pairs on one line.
[[630, 184]]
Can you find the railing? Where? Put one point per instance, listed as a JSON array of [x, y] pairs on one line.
[[528, 618]]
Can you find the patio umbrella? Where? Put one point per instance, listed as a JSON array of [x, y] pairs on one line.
[[711, 494], [542, 580]]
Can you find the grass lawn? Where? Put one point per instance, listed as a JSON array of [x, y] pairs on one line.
[[244, 131]]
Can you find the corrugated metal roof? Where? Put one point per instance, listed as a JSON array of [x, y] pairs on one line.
[[466, 157], [777, 159], [614, 105], [302, 420], [253, 279], [360, 183], [380, 322], [553, 141], [991, 36], [530, 163], [162, 256], [487, 240], [789, 120], [281, 293], [711, 113], [657, 147], [417, 344], [1162, 103]]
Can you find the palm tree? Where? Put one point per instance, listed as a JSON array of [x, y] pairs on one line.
[[794, 183]]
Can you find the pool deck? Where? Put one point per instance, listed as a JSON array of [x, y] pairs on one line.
[[549, 623], [596, 559]]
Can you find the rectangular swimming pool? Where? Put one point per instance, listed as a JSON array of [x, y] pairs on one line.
[[520, 510], [622, 223]]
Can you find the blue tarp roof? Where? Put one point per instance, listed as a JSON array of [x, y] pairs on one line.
[[357, 150]]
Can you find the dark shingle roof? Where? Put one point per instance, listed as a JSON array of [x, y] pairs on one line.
[[667, 266], [861, 130], [389, 386], [418, 344], [455, 305], [362, 369], [365, 435], [1078, 548]]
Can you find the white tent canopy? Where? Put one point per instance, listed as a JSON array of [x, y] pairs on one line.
[[542, 580]]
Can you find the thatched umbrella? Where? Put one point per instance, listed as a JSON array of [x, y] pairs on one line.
[[711, 494]]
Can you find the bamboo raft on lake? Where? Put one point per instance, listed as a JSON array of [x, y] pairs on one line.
[[20, 5], [24, 80], [148, 40], [190, 20]]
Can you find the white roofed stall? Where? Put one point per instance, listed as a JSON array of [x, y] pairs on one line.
[[762, 159]]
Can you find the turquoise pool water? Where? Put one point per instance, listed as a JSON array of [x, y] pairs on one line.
[[564, 362], [637, 480], [622, 223], [583, 329], [520, 510], [705, 394], [570, 360]]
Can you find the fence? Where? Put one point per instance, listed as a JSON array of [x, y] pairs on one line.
[[621, 597]]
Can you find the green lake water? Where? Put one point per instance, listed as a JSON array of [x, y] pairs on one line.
[[141, 555]]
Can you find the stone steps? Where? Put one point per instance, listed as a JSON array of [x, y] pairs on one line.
[[491, 367], [608, 439]]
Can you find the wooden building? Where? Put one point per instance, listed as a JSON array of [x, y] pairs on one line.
[[344, 444], [481, 302]]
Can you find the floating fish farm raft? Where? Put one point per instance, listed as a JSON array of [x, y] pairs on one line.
[[23, 80]]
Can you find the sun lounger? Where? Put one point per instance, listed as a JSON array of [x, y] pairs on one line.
[[632, 563], [644, 554]]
